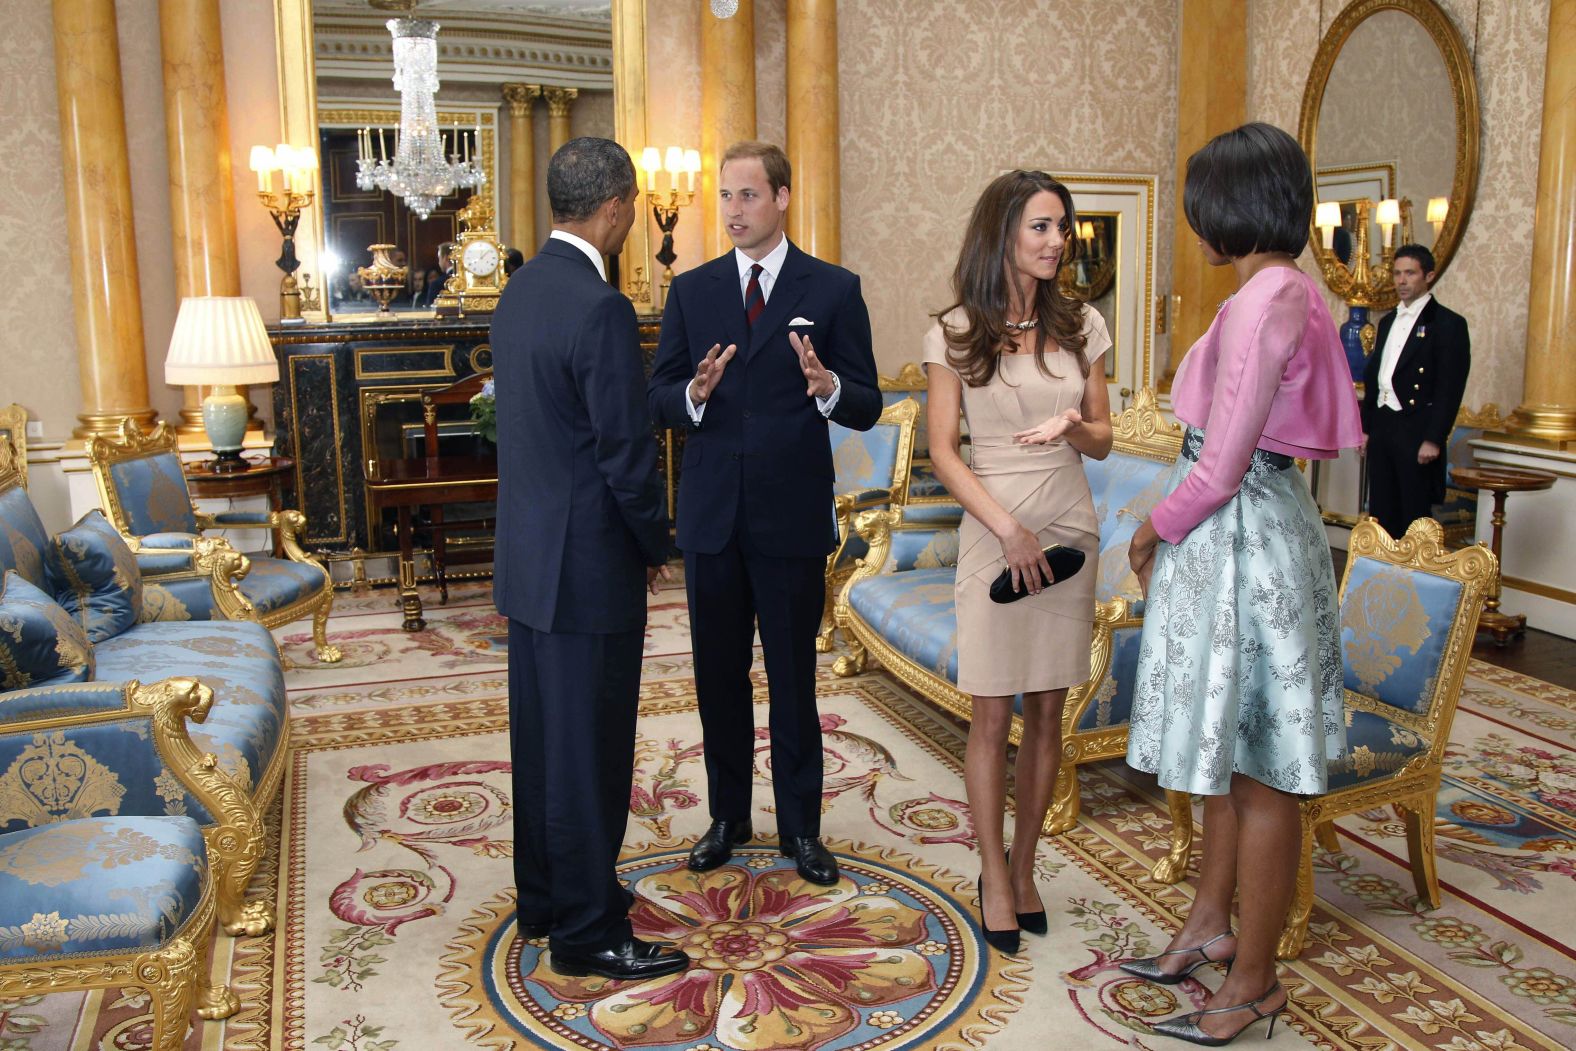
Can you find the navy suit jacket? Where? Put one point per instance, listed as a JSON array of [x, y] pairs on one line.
[[1430, 374], [581, 508], [762, 448]]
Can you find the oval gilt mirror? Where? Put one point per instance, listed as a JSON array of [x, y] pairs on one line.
[[1391, 112]]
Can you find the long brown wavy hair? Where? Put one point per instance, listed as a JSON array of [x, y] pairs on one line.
[[982, 282]]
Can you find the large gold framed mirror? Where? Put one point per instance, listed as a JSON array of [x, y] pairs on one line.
[[1390, 112], [302, 115]]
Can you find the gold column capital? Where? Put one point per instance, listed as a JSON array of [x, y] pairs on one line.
[[559, 100], [521, 98]]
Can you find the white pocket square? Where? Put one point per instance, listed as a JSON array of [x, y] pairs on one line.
[[800, 321]]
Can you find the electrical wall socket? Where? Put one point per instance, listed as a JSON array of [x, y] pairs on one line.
[[35, 428]]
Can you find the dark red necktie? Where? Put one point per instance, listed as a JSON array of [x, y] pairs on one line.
[[754, 298]]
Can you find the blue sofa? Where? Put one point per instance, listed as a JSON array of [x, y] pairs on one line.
[[246, 732], [898, 605]]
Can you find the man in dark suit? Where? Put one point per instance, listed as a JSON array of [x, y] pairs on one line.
[[759, 348], [1412, 388], [582, 531]]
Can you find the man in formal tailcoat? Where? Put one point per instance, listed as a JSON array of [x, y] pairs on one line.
[[759, 348], [1412, 388], [582, 532]]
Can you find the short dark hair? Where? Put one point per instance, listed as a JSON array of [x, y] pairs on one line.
[[1424, 257], [513, 260], [779, 173], [1250, 190], [584, 174]]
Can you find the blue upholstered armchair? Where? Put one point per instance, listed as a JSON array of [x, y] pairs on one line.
[[871, 472], [99, 887], [1409, 612], [144, 494]]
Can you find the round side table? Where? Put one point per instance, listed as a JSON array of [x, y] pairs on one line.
[[1501, 481], [263, 477]]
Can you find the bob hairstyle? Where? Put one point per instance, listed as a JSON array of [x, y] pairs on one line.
[[981, 282], [1250, 190]]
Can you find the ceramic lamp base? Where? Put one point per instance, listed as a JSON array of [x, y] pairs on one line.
[[224, 415]]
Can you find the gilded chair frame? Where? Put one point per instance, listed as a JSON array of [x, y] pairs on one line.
[[905, 416], [177, 974], [911, 379], [1140, 430], [1412, 789], [13, 429], [287, 527]]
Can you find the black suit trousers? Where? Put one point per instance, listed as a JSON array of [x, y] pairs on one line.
[[572, 705], [1400, 490], [728, 593]]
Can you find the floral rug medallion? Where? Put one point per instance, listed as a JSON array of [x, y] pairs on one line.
[[883, 959]]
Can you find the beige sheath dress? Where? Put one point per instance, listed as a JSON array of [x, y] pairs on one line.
[[1040, 642]]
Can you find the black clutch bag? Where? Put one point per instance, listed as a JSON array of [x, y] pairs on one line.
[[1064, 562]]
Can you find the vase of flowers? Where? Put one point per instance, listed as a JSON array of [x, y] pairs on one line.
[[484, 411]]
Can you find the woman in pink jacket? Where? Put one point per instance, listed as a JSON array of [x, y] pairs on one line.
[[1238, 689]]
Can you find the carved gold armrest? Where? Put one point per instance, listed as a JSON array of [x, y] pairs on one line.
[[875, 527], [287, 526], [237, 837], [225, 568]]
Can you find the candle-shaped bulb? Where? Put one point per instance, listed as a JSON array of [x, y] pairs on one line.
[[262, 162], [651, 163]]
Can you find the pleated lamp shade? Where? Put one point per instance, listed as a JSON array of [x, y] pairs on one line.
[[219, 340]]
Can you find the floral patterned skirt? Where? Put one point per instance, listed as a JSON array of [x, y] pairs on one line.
[[1239, 664]]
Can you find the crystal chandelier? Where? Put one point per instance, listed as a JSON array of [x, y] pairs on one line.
[[419, 172]]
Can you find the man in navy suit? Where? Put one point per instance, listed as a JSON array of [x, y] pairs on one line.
[[1412, 388], [582, 532], [759, 348]]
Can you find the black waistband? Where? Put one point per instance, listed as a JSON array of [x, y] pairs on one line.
[[1193, 442]]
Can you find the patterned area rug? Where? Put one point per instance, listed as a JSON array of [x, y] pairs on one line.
[[394, 881]]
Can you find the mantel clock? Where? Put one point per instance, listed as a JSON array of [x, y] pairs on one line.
[[477, 259]]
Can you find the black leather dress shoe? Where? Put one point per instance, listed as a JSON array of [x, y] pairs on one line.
[[814, 861], [633, 961], [716, 846]]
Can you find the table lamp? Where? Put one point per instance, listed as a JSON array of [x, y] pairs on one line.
[[219, 342]]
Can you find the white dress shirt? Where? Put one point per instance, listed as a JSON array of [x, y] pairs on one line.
[[585, 246], [771, 266], [1400, 331]]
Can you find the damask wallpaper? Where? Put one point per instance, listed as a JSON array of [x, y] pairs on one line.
[[35, 313], [934, 107], [1487, 280]]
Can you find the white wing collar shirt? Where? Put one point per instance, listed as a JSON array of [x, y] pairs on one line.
[[1400, 332], [771, 266]]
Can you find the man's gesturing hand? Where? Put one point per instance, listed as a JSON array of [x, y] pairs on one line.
[[709, 372], [818, 381]]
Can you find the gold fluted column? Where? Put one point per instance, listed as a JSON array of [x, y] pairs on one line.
[[104, 280], [814, 219], [522, 166], [197, 142], [558, 103], [1212, 97], [727, 105], [1548, 408]]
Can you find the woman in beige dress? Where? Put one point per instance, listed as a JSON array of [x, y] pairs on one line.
[[1015, 355]]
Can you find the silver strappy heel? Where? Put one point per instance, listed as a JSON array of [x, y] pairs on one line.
[[1149, 967], [1185, 1027]]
